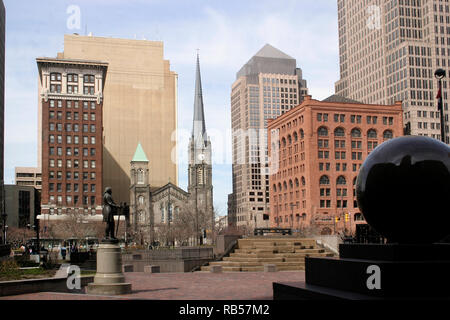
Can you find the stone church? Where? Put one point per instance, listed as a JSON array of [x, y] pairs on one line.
[[154, 208]]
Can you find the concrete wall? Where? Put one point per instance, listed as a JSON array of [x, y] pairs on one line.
[[330, 242], [10, 288], [223, 242], [177, 260]]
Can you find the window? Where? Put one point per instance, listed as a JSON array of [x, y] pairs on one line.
[[388, 135], [324, 180], [323, 132], [371, 134], [341, 180], [356, 133], [339, 132]]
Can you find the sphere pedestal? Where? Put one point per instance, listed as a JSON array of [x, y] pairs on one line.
[[402, 190], [109, 279]]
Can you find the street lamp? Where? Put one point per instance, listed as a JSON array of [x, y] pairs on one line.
[[5, 227], [440, 74]]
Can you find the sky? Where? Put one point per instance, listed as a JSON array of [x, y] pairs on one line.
[[227, 34]]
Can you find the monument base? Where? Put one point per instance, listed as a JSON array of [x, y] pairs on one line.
[[374, 272], [109, 279]]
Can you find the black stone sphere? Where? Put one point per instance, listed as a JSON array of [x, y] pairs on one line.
[[403, 190]]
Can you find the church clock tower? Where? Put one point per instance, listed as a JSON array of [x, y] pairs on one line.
[[200, 165]]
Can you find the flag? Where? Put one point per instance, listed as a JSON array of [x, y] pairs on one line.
[[439, 97]]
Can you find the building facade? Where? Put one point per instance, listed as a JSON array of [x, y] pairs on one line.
[[28, 176], [316, 151], [389, 51], [21, 205], [269, 85], [140, 105], [71, 93]]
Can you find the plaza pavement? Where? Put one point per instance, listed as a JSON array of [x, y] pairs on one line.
[[187, 286]]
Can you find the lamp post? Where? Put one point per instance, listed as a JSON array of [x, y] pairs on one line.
[[5, 227], [440, 74]]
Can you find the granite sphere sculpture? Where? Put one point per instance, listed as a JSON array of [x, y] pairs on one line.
[[403, 190]]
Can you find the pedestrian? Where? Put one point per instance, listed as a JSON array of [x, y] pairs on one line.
[[63, 252]]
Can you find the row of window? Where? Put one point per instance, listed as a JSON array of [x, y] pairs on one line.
[[88, 90], [69, 127], [355, 133], [76, 151], [71, 163], [59, 211], [76, 200], [340, 118], [74, 104], [76, 116], [71, 139], [59, 187], [69, 175], [72, 77]]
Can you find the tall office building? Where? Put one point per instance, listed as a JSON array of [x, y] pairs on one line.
[[389, 51], [268, 85], [71, 93], [140, 105]]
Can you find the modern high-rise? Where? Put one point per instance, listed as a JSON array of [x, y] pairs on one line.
[[139, 106], [389, 51], [71, 94], [268, 85]]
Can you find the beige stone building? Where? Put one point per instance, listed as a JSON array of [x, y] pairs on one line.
[[268, 85], [389, 51], [139, 105], [28, 176]]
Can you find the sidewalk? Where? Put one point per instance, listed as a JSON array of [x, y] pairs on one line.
[[188, 286]]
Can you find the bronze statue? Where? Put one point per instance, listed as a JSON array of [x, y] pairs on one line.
[[110, 209]]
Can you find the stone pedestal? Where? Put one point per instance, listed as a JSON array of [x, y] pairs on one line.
[[152, 269], [109, 279]]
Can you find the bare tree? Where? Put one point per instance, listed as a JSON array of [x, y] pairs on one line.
[[75, 225]]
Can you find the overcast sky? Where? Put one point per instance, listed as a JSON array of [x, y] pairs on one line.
[[228, 33]]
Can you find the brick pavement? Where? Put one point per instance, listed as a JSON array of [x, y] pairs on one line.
[[188, 286]]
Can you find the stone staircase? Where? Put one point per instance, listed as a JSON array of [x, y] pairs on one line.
[[287, 253]]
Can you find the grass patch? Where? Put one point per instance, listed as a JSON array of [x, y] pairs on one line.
[[9, 271]]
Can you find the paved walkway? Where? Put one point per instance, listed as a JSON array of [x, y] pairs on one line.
[[188, 286]]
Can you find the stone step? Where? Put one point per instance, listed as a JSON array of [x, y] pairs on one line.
[[251, 259]]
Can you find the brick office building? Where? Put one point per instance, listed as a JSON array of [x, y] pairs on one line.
[[316, 150], [71, 93]]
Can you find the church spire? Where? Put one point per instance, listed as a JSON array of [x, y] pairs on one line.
[[199, 127]]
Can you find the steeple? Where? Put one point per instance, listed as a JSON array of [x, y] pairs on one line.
[[139, 155], [199, 127]]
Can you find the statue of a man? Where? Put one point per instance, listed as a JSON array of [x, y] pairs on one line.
[[109, 211]]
